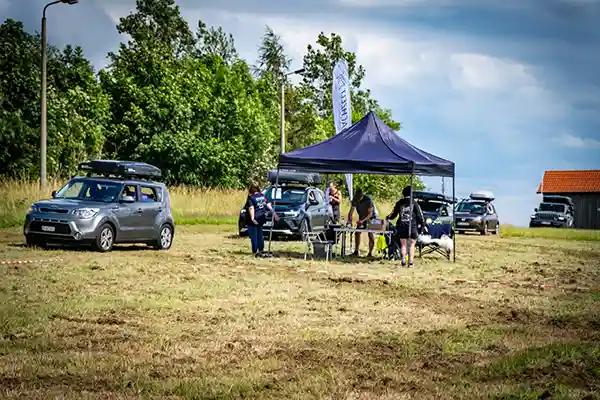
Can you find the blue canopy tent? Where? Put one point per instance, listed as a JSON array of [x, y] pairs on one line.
[[368, 147]]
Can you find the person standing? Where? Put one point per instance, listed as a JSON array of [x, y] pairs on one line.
[[409, 219], [256, 208], [335, 201], [367, 212]]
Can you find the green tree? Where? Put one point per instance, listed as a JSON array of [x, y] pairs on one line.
[[77, 108], [198, 117], [214, 42]]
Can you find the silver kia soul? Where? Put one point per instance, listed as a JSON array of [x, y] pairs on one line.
[[116, 202]]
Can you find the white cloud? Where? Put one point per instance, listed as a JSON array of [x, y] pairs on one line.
[[577, 142]]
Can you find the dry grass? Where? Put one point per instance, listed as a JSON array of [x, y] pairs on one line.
[[207, 321]]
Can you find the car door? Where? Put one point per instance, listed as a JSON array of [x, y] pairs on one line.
[[492, 217], [127, 213], [151, 207], [322, 210]]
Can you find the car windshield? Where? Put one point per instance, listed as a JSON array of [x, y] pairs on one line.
[[473, 207], [90, 190], [285, 195], [430, 206], [553, 207]]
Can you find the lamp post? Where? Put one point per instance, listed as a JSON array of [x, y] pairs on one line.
[[43, 94], [282, 112]]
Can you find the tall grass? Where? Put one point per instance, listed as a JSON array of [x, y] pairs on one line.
[[192, 206]]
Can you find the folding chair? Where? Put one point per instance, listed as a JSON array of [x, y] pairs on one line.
[[317, 241], [436, 232]]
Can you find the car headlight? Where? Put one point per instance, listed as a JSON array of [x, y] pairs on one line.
[[86, 213], [33, 209], [428, 221], [290, 213], [532, 216], [561, 218]]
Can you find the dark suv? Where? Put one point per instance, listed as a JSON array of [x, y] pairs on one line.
[[554, 211], [478, 214], [115, 203], [300, 206]]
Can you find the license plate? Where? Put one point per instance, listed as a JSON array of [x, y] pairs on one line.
[[268, 224], [545, 222], [47, 228], [462, 223]]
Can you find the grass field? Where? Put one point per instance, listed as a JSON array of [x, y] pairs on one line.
[[207, 321], [220, 207]]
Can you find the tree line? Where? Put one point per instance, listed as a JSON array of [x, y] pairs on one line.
[[180, 99]]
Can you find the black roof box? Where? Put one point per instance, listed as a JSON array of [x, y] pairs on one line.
[[548, 198], [431, 196], [122, 169], [294, 177]]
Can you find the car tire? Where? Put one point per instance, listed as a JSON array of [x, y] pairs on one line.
[[484, 231], [496, 230], [32, 241], [106, 239], [304, 229], [165, 237]]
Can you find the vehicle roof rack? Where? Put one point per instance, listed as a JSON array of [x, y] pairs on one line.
[[294, 177], [553, 198], [431, 196], [120, 169], [483, 195]]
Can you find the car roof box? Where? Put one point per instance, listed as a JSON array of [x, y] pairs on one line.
[[431, 196], [121, 169], [558, 199], [484, 195], [294, 177]]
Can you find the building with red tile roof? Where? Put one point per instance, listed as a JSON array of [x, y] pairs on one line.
[[583, 187]]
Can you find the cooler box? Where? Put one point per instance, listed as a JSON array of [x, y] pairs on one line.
[[377, 225]]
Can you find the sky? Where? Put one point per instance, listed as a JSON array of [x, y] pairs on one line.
[[505, 90]]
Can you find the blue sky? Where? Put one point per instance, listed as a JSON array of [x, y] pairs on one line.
[[506, 90]]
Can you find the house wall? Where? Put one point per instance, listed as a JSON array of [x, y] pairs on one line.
[[587, 209]]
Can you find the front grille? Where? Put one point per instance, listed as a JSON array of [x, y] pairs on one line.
[[546, 217], [60, 228], [53, 210]]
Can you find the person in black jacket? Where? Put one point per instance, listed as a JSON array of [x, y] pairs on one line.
[[256, 208], [410, 219]]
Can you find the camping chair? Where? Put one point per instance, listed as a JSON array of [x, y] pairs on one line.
[[317, 244], [436, 231]]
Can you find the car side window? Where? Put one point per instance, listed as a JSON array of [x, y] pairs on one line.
[[318, 197], [311, 196], [131, 191], [444, 211], [148, 194], [492, 209]]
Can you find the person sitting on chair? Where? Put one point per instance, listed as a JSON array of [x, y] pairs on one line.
[[366, 213], [410, 219]]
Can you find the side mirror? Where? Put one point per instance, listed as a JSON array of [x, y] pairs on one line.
[[535, 210], [313, 202], [53, 193], [127, 199]]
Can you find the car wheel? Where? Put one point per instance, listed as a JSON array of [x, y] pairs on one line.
[[304, 230], [484, 231], [165, 238], [496, 230], [106, 239]]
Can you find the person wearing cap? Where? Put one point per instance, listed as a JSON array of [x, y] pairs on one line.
[[367, 212], [410, 218]]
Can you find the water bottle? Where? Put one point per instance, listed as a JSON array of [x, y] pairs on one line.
[[343, 224]]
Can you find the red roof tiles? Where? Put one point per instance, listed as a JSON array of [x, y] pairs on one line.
[[570, 182]]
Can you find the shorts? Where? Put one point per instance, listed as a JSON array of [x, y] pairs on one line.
[[403, 232]]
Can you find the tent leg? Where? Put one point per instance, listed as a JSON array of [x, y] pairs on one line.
[[273, 216], [412, 178], [453, 220]]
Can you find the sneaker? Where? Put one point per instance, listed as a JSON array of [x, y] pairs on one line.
[[411, 264], [356, 253], [403, 263]]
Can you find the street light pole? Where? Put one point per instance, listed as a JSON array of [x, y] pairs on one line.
[[282, 111], [43, 138]]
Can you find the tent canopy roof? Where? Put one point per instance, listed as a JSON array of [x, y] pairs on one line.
[[367, 147]]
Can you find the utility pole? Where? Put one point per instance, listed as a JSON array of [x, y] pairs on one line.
[[43, 138], [282, 111]]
